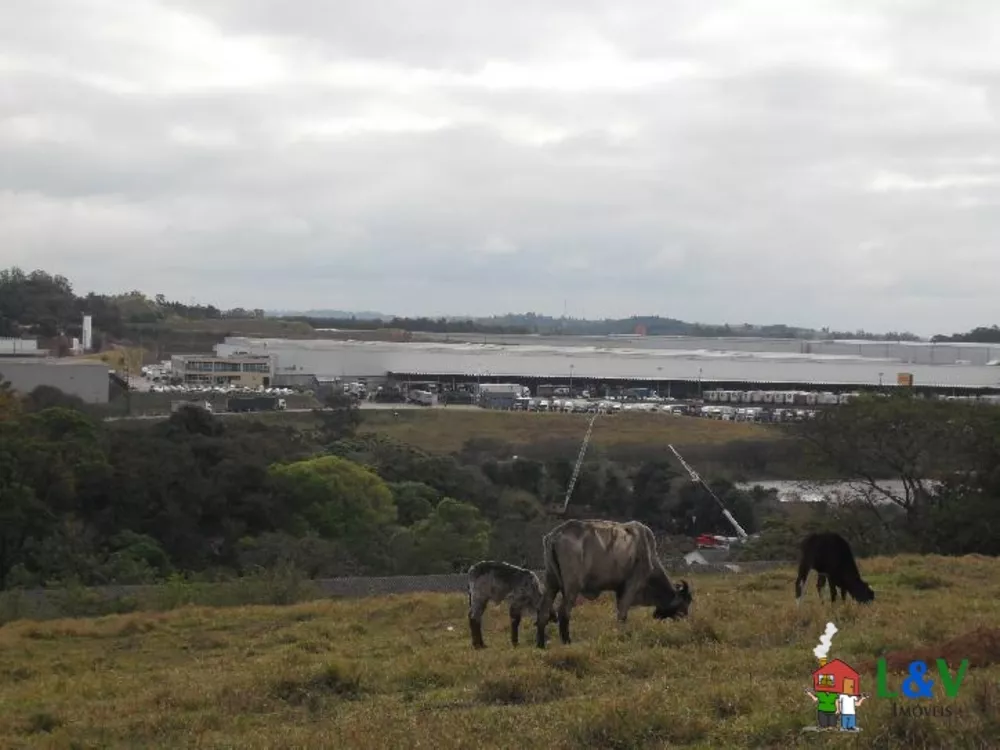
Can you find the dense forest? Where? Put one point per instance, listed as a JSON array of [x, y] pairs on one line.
[[98, 502], [92, 502]]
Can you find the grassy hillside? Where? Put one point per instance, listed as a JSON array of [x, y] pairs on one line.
[[447, 430], [399, 672]]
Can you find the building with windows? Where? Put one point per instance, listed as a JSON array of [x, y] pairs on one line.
[[240, 370]]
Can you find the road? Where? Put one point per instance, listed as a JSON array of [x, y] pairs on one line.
[[360, 586], [366, 406]]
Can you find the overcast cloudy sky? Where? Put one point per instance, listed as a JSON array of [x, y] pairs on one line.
[[807, 162]]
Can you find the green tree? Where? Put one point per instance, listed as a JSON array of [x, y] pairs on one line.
[[35, 302], [22, 518], [10, 404], [697, 512], [910, 440], [415, 501], [337, 498], [451, 539], [651, 492]]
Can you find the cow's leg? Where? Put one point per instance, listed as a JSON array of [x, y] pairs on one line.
[[800, 581], [515, 623], [476, 609], [544, 608], [565, 607], [833, 592], [820, 583], [625, 596]]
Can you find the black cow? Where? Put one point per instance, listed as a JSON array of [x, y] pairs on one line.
[[830, 556]]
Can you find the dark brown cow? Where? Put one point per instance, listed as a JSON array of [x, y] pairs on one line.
[[586, 558], [830, 556], [493, 581]]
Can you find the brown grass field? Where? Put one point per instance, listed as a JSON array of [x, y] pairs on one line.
[[447, 430], [399, 672]]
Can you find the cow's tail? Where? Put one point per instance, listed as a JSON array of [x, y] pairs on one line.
[[552, 567]]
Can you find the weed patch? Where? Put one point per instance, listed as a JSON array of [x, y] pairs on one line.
[[920, 581], [522, 688], [624, 727], [332, 680], [42, 723], [575, 663], [726, 705]]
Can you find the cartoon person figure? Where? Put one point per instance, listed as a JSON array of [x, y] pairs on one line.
[[847, 705], [826, 708]]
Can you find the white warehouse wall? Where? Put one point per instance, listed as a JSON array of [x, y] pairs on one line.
[[327, 358]]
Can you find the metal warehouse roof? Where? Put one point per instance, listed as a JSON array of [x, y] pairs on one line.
[[704, 381], [374, 359]]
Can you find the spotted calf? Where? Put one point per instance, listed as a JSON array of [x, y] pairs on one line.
[[494, 581]]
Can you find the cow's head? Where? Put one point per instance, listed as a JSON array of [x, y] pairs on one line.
[[862, 592], [674, 603]]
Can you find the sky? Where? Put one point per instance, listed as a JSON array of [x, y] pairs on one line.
[[811, 163]]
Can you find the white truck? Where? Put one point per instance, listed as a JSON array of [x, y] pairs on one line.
[[424, 398], [514, 389]]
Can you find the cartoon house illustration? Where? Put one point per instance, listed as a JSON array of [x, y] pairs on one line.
[[836, 677]]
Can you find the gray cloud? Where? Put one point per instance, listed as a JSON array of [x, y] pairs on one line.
[[819, 164]]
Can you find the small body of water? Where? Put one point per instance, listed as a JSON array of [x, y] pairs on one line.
[[790, 490]]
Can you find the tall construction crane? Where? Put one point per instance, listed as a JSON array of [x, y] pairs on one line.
[[695, 477], [579, 462]]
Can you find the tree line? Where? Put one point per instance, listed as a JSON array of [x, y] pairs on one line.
[[41, 304], [46, 306], [91, 502], [978, 335]]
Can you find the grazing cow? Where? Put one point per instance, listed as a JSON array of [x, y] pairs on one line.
[[586, 558], [493, 581], [830, 556]]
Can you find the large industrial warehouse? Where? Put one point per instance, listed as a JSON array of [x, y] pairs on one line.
[[85, 379], [372, 360]]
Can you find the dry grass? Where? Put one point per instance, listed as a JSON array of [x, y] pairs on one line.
[[447, 430], [389, 673]]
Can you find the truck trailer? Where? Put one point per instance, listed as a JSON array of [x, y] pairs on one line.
[[255, 403], [176, 406]]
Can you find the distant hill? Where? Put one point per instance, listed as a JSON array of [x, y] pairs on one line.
[[654, 325], [533, 323], [328, 314], [42, 305]]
